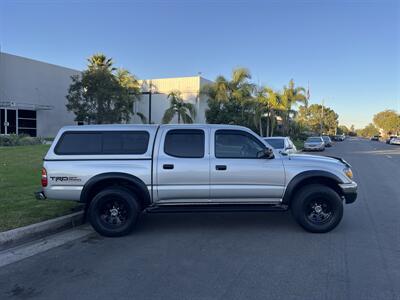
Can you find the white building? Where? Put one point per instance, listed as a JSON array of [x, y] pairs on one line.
[[189, 87], [32, 96]]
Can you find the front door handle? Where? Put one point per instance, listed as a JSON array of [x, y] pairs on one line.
[[168, 166], [220, 167]]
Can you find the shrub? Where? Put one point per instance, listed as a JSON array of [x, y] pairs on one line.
[[19, 140]]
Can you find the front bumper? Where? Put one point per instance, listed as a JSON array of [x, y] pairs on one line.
[[349, 191], [308, 148]]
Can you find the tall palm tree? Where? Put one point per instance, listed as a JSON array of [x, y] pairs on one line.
[[267, 101], [100, 61], [184, 110], [291, 96]]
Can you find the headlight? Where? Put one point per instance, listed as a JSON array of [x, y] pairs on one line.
[[348, 173]]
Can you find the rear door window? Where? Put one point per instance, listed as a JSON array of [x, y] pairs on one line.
[[184, 143]]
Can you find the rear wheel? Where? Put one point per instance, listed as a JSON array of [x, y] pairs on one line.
[[113, 212], [317, 208]]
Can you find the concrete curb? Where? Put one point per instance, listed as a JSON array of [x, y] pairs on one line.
[[28, 233]]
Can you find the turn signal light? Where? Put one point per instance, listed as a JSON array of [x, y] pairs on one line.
[[348, 173], [44, 177]]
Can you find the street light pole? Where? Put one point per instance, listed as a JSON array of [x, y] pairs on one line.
[[149, 92]]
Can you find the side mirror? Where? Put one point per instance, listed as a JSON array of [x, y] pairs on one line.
[[289, 147], [266, 153]]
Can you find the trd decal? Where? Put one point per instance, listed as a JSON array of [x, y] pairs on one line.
[[64, 178]]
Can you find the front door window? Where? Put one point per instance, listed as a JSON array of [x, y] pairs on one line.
[[236, 144]]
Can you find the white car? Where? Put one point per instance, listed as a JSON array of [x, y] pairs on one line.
[[282, 144], [314, 143], [395, 141]]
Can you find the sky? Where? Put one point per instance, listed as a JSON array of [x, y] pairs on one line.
[[346, 51]]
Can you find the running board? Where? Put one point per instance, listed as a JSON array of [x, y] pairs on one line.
[[189, 208]]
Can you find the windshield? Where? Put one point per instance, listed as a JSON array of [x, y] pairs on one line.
[[326, 138], [276, 143], [314, 140]]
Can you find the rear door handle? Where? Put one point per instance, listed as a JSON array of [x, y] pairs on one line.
[[220, 167], [168, 166]]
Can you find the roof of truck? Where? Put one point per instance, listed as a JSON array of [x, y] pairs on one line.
[[149, 127]]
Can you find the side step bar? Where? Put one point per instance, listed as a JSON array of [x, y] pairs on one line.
[[188, 208]]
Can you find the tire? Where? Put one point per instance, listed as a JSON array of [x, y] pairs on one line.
[[317, 208], [113, 212]]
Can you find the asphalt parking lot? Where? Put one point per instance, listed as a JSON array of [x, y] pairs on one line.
[[236, 255]]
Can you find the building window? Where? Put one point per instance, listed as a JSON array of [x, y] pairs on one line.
[[27, 122]]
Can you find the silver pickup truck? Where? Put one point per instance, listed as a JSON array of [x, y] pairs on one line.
[[120, 171]]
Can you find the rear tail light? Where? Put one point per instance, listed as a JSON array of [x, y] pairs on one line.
[[44, 177]]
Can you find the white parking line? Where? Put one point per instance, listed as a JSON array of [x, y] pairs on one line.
[[388, 156]]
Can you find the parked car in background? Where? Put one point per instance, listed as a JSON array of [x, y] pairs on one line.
[[314, 143], [390, 138], [327, 140], [375, 138], [282, 144], [339, 138], [395, 141]]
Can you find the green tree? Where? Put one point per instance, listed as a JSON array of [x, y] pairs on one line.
[[99, 61], [368, 131], [231, 101], [184, 110], [129, 93], [291, 96], [267, 102], [342, 129], [99, 95], [388, 120], [312, 118]]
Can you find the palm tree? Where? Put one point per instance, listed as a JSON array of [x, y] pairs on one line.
[[183, 110], [291, 96], [235, 92], [267, 102], [100, 61]]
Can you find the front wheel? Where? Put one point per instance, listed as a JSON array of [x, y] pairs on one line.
[[317, 208], [113, 212]]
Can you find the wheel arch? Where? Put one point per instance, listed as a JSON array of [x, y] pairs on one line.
[[116, 179], [311, 177]]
